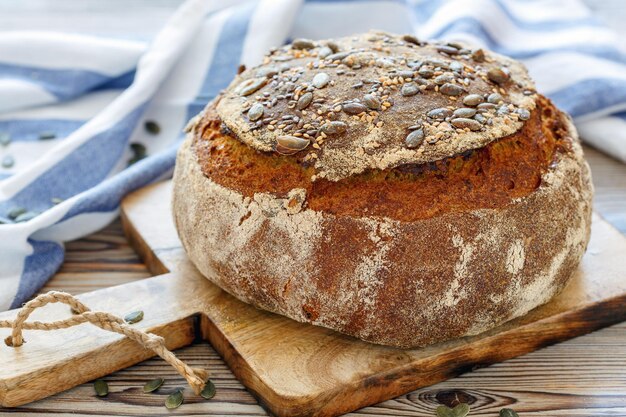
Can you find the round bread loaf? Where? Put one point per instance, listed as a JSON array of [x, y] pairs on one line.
[[398, 191]]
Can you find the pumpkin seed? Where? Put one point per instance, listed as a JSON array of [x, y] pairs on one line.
[[411, 39], [5, 138], [414, 138], [302, 44], [324, 52], [304, 101], [208, 391], [8, 161], [15, 212], [464, 112], [473, 100], [443, 78], [409, 89], [439, 114], [175, 399], [497, 75], [507, 412], [152, 127], [371, 101], [333, 46], [426, 72], [29, 215], [288, 145], [256, 112], [320, 80], [101, 388], [461, 410], [267, 72], [134, 317], [495, 98], [451, 89], [251, 86], [354, 108], [478, 55], [153, 385], [462, 123], [47, 135], [334, 128], [523, 114]]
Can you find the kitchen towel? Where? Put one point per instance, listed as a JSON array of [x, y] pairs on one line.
[[85, 119]]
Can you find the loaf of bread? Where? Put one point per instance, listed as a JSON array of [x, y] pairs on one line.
[[398, 191]]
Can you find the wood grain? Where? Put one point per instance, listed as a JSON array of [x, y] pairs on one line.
[[293, 368]]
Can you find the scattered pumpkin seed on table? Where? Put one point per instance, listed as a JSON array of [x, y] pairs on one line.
[[461, 410], [101, 387], [47, 135], [175, 399], [153, 385], [507, 412], [134, 317], [208, 391]]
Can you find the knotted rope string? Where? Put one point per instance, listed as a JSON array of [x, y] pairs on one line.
[[195, 377]]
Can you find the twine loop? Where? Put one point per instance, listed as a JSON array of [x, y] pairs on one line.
[[195, 377]]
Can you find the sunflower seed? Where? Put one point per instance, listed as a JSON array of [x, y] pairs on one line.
[[464, 112], [47, 135], [101, 387], [462, 123], [411, 39], [334, 128], [153, 385], [138, 149], [288, 145], [15, 212], [338, 56], [56, 200], [502, 110], [414, 138], [5, 139], [256, 112], [208, 391], [304, 101], [507, 412], [302, 44], [251, 86], [175, 399], [461, 410], [354, 108], [439, 114], [443, 78], [523, 114], [473, 100], [405, 74], [134, 317], [409, 89], [497, 75], [456, 66], [320, 80], [495, 98], [480, 118], [478, 55], [371, 101], [8, 161], [451, 89]]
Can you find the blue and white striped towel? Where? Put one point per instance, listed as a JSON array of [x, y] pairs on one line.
[[95, 95]]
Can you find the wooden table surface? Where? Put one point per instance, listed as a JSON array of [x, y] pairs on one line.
[[582, 377]]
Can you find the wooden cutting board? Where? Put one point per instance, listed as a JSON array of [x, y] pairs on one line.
[[294, 369]]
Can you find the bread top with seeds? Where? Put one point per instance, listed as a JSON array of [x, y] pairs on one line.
[[376, 101]]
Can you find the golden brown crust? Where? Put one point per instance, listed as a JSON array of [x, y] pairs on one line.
[[360, 104], [489, 177]]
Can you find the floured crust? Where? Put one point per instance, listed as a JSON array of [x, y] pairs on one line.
[[404, 284], [375, 138]]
